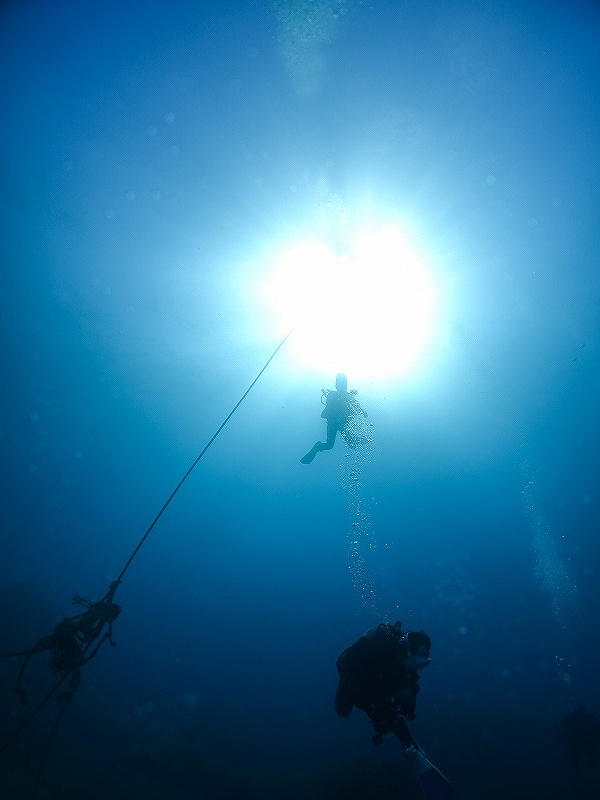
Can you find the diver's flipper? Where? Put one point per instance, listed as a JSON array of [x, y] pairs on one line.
[[309, 457], [435, 786]]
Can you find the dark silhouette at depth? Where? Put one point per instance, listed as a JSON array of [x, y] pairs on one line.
[[379, 674], [580, 736]]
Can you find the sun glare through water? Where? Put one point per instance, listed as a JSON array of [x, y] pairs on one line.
[[368, 311]]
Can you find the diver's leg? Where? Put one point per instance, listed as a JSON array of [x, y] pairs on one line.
[[331, 434], [316, 448], [343, 699]]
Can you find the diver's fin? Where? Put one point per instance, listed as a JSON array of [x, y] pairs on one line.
[[309, 457], [435, 786]]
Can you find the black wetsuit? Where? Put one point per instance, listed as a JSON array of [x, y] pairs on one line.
[[580, 735], [375, 678], [341, 407]]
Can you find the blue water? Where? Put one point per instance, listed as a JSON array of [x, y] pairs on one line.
[[152, 155]]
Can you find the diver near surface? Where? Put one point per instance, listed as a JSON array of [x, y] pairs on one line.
[[580, 735], [379, 674], [340, 407]]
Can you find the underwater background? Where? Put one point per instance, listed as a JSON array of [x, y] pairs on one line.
[[155, 158]]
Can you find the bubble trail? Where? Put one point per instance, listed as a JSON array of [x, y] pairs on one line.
[[551, 572], [358, 436]]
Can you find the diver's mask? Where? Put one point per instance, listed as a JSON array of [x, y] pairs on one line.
[[417, 657]]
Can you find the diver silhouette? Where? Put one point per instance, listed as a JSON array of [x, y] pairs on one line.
[[580, 735], [71, 640], [341, 406], [379, 674]]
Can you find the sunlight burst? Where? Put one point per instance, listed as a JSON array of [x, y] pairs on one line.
[[368, 312]]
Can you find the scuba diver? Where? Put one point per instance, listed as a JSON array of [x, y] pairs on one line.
[[71, 640], [379, 674], [341, 406], [580, 735]]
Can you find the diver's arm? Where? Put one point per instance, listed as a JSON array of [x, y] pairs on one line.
[[401, 732]]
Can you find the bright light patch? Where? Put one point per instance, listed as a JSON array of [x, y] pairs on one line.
[[368, 312]]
